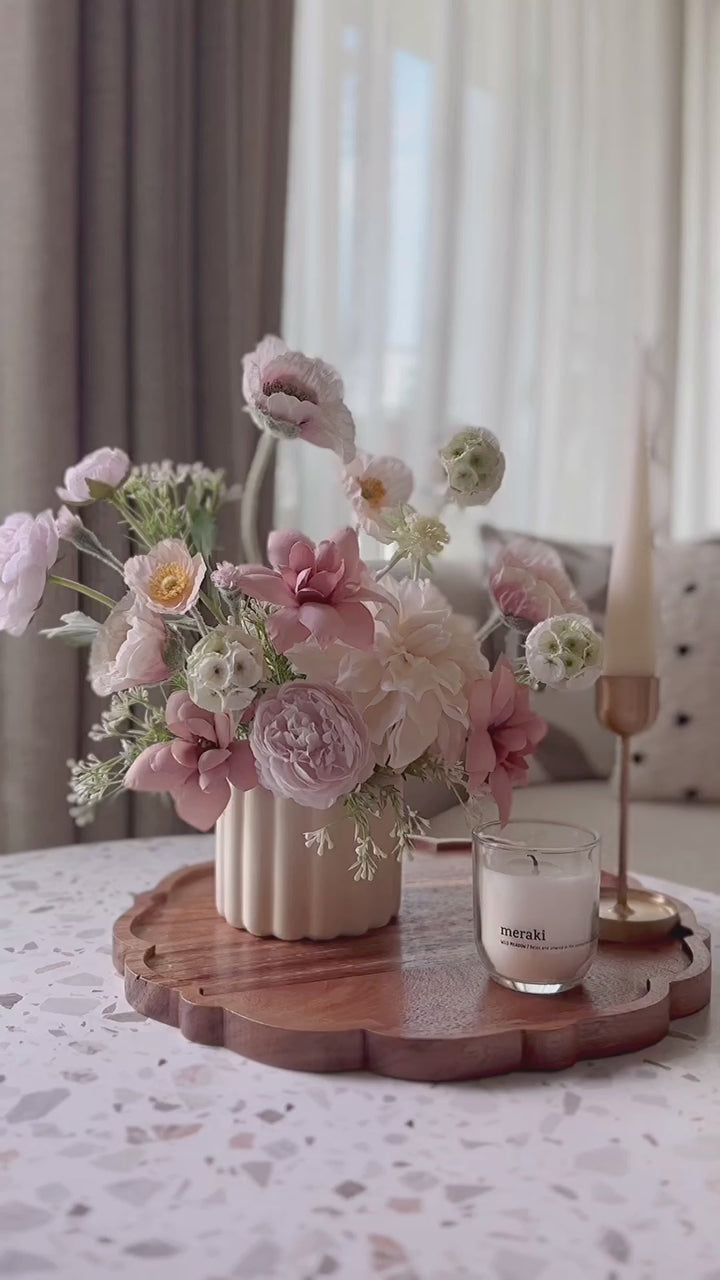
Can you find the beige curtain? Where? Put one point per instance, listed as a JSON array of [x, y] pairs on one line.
[[143, 153]]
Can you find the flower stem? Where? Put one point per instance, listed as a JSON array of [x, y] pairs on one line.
[[495, 620], [395, 559], [83, 590], [250, 503]]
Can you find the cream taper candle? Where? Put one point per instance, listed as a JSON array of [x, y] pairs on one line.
[[630, 619]]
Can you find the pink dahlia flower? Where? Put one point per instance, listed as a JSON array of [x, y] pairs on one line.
[[376, 486], [503, 733], [105, 466], [528, 582], [128, 650], [168, 579], [321, 590], [310, 744], [28, 548], [198, 766], [291, 396]]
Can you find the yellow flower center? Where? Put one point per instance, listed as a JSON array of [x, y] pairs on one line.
[[373, 491], [169, 585]]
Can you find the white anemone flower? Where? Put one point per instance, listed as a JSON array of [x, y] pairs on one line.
[[376, 486]]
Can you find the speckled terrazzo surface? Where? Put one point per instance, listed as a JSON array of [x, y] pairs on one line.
[[127, 1151]]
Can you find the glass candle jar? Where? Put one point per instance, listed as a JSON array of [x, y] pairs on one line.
[[536, 889]]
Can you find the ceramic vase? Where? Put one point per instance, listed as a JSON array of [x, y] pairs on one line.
[[269, 883]]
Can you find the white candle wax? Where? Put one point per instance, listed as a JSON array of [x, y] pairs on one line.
[[538, 924], [630, 621]]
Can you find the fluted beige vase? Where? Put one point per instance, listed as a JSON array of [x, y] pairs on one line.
[[268, 883]]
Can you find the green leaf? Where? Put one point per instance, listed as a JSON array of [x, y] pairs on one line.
[[77, 629], [202, 531]]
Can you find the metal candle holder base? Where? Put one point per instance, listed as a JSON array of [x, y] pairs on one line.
[[628, 705]]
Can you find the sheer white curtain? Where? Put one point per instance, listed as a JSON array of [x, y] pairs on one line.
[[492, 203]]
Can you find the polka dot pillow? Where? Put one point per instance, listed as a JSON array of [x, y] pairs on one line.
[[679, 757]]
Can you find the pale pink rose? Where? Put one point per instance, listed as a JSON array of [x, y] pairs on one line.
[[310, 744], [376, 486], [128, 650], [529, 583], [107, 466], [168, 579], [320, 590], [411, 687], [293, 397], [67, 524], [28, 548], [504, 732], [226, 577], [198, 766]]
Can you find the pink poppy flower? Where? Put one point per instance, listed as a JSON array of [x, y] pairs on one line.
[[292, 397], [320, 590], [28, 550], [168, 579], [128, 650], [376, 486], [198, 766], [503, 733], [528, 582], [105, 466]]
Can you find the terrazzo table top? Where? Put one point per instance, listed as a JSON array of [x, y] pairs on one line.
[[127, 1151]]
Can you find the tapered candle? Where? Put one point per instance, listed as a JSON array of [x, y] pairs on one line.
[[630, 620]]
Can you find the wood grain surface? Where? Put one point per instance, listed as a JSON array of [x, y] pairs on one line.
[[412, 1000]]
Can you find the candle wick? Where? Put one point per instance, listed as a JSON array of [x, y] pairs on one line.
[[536, 865]]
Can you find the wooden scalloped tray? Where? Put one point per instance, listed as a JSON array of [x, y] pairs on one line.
[[412, 1000]]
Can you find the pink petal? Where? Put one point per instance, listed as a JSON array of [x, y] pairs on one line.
[[241, 769], [346, 541], [211, 758], [480, 702], [185, 753], [263, 584], [201, 809], [223, 728], [173, 710], [146, 773], [480, 757], [357, 625], [501, 788], [285, 629], [202, 726], [328, 557], [281, 544]]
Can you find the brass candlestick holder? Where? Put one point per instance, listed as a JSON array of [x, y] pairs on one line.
[[627, 705]]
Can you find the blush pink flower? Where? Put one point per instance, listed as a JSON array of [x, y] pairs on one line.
[[128, 650], [411, 687], [310, 744], [28, 548], [529, 583], [376, 486], [503, 733], [168, 579], [294, 397], [320, 590], [108, 467], [226, 577], [198, 766]]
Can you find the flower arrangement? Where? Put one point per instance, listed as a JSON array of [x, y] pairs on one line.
[[312, 676]]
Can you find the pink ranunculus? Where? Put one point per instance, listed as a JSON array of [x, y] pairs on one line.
[[128, 650], [198, 766], [310, 744], [529, 583], [376, 486], [106, 466], [28, 548], [293, 397], [168, 579], [321, 590], [503, 733]]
